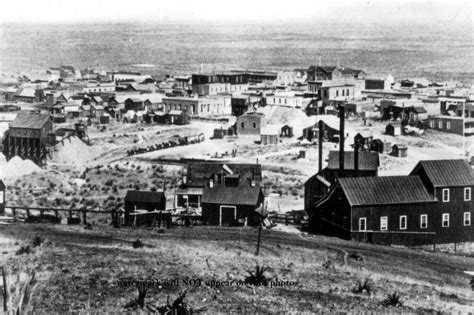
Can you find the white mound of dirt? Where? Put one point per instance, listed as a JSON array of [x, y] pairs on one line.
[[17, 167], [73, 151]]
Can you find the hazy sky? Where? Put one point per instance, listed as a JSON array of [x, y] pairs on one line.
[[256, 11]]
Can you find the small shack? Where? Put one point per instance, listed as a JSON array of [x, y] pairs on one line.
[[399, 150], [2, 197], [393, 129], [136, 200], [286, 131], [364, 139], [178, 117], [380, 146], [104, 119], [270, 135], [220, 133]]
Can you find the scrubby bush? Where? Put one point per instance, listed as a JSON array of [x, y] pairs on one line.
[[25, 249], [363, 287], [393, 299], [138, 243], [257, 276], [37, 241]]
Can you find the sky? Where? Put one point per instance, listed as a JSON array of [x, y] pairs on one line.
[[249, 11]]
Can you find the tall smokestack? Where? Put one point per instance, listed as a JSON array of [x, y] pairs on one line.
[[320, 61], [320, 142], [356, 158], [341, 140]]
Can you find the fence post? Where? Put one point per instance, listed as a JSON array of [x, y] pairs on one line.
[[6, 291], [14, 213]]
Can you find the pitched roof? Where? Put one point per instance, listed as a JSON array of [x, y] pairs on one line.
[[144, 196], [243, 194], [362, 191], [2, 185], [198, 173], [368, 160], [30, 121], [446, 172]]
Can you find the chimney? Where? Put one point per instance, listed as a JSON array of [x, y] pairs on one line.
[[356, 158], [341, 140], [320, 140]]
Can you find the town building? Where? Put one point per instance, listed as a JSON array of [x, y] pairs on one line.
[[251, 123], [213, 84], [200, 106], [2, 197]]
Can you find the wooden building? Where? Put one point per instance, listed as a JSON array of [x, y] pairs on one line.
[[433, 205], [394, 129], [178, 117], [319, 184], [198, 175], [232, 201], [385, 210], [399, 150], [380, 146], [286, 131], [270, 135], [451, 182], [363, 139], [2, 197], [143, 200], [28, 137]]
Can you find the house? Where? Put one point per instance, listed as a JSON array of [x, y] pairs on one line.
[[380, 146], [451, 124], [251, 123], [333, 73], [2, 197], [143, 200], [382, 83], [242, 103], [363, 139], [233, 201], [178, 117], [29, 95], [385, 210], [286, 131], [134, 103], [394, 129], [198, 174], [319, 184], [270, 135], [399, 150], [200, 106], [451, 182]]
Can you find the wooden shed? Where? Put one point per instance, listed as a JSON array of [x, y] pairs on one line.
[[380, 146], [143, 200], [270, 135], [220, 133], [178, 117], [363, 138], [399, 150], [286, 131], [393, 129]]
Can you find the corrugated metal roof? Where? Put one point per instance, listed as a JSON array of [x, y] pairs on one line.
[[144, 196], [30, 121], [446, 172], [368, 160], [362, 191], [243, 194]]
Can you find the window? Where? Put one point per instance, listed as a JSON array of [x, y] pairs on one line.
[[467, 218], [347, 92], [342, 92], [362, 224], [242, 125], [254, 125], [448, 125], [424, 221], [440, 124], [445, 220], [432, 123], [467, 194], [446, 195], [383, 223], [403, 222], [337, 93]]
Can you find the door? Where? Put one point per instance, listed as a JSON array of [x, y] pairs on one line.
[[227, 215]]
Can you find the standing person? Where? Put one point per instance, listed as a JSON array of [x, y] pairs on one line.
[[121, 217]]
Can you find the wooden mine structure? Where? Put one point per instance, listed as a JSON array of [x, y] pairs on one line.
[[27, 137]]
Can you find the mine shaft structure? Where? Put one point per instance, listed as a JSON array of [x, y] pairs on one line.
[[29, 137]]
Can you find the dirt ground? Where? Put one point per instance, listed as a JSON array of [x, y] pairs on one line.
[[78, 270]]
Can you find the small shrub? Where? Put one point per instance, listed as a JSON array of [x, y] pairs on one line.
[[257, 277], [393, 299], [138, 243], [363, 287], [356, 256], [37, 241], [25, 249]]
